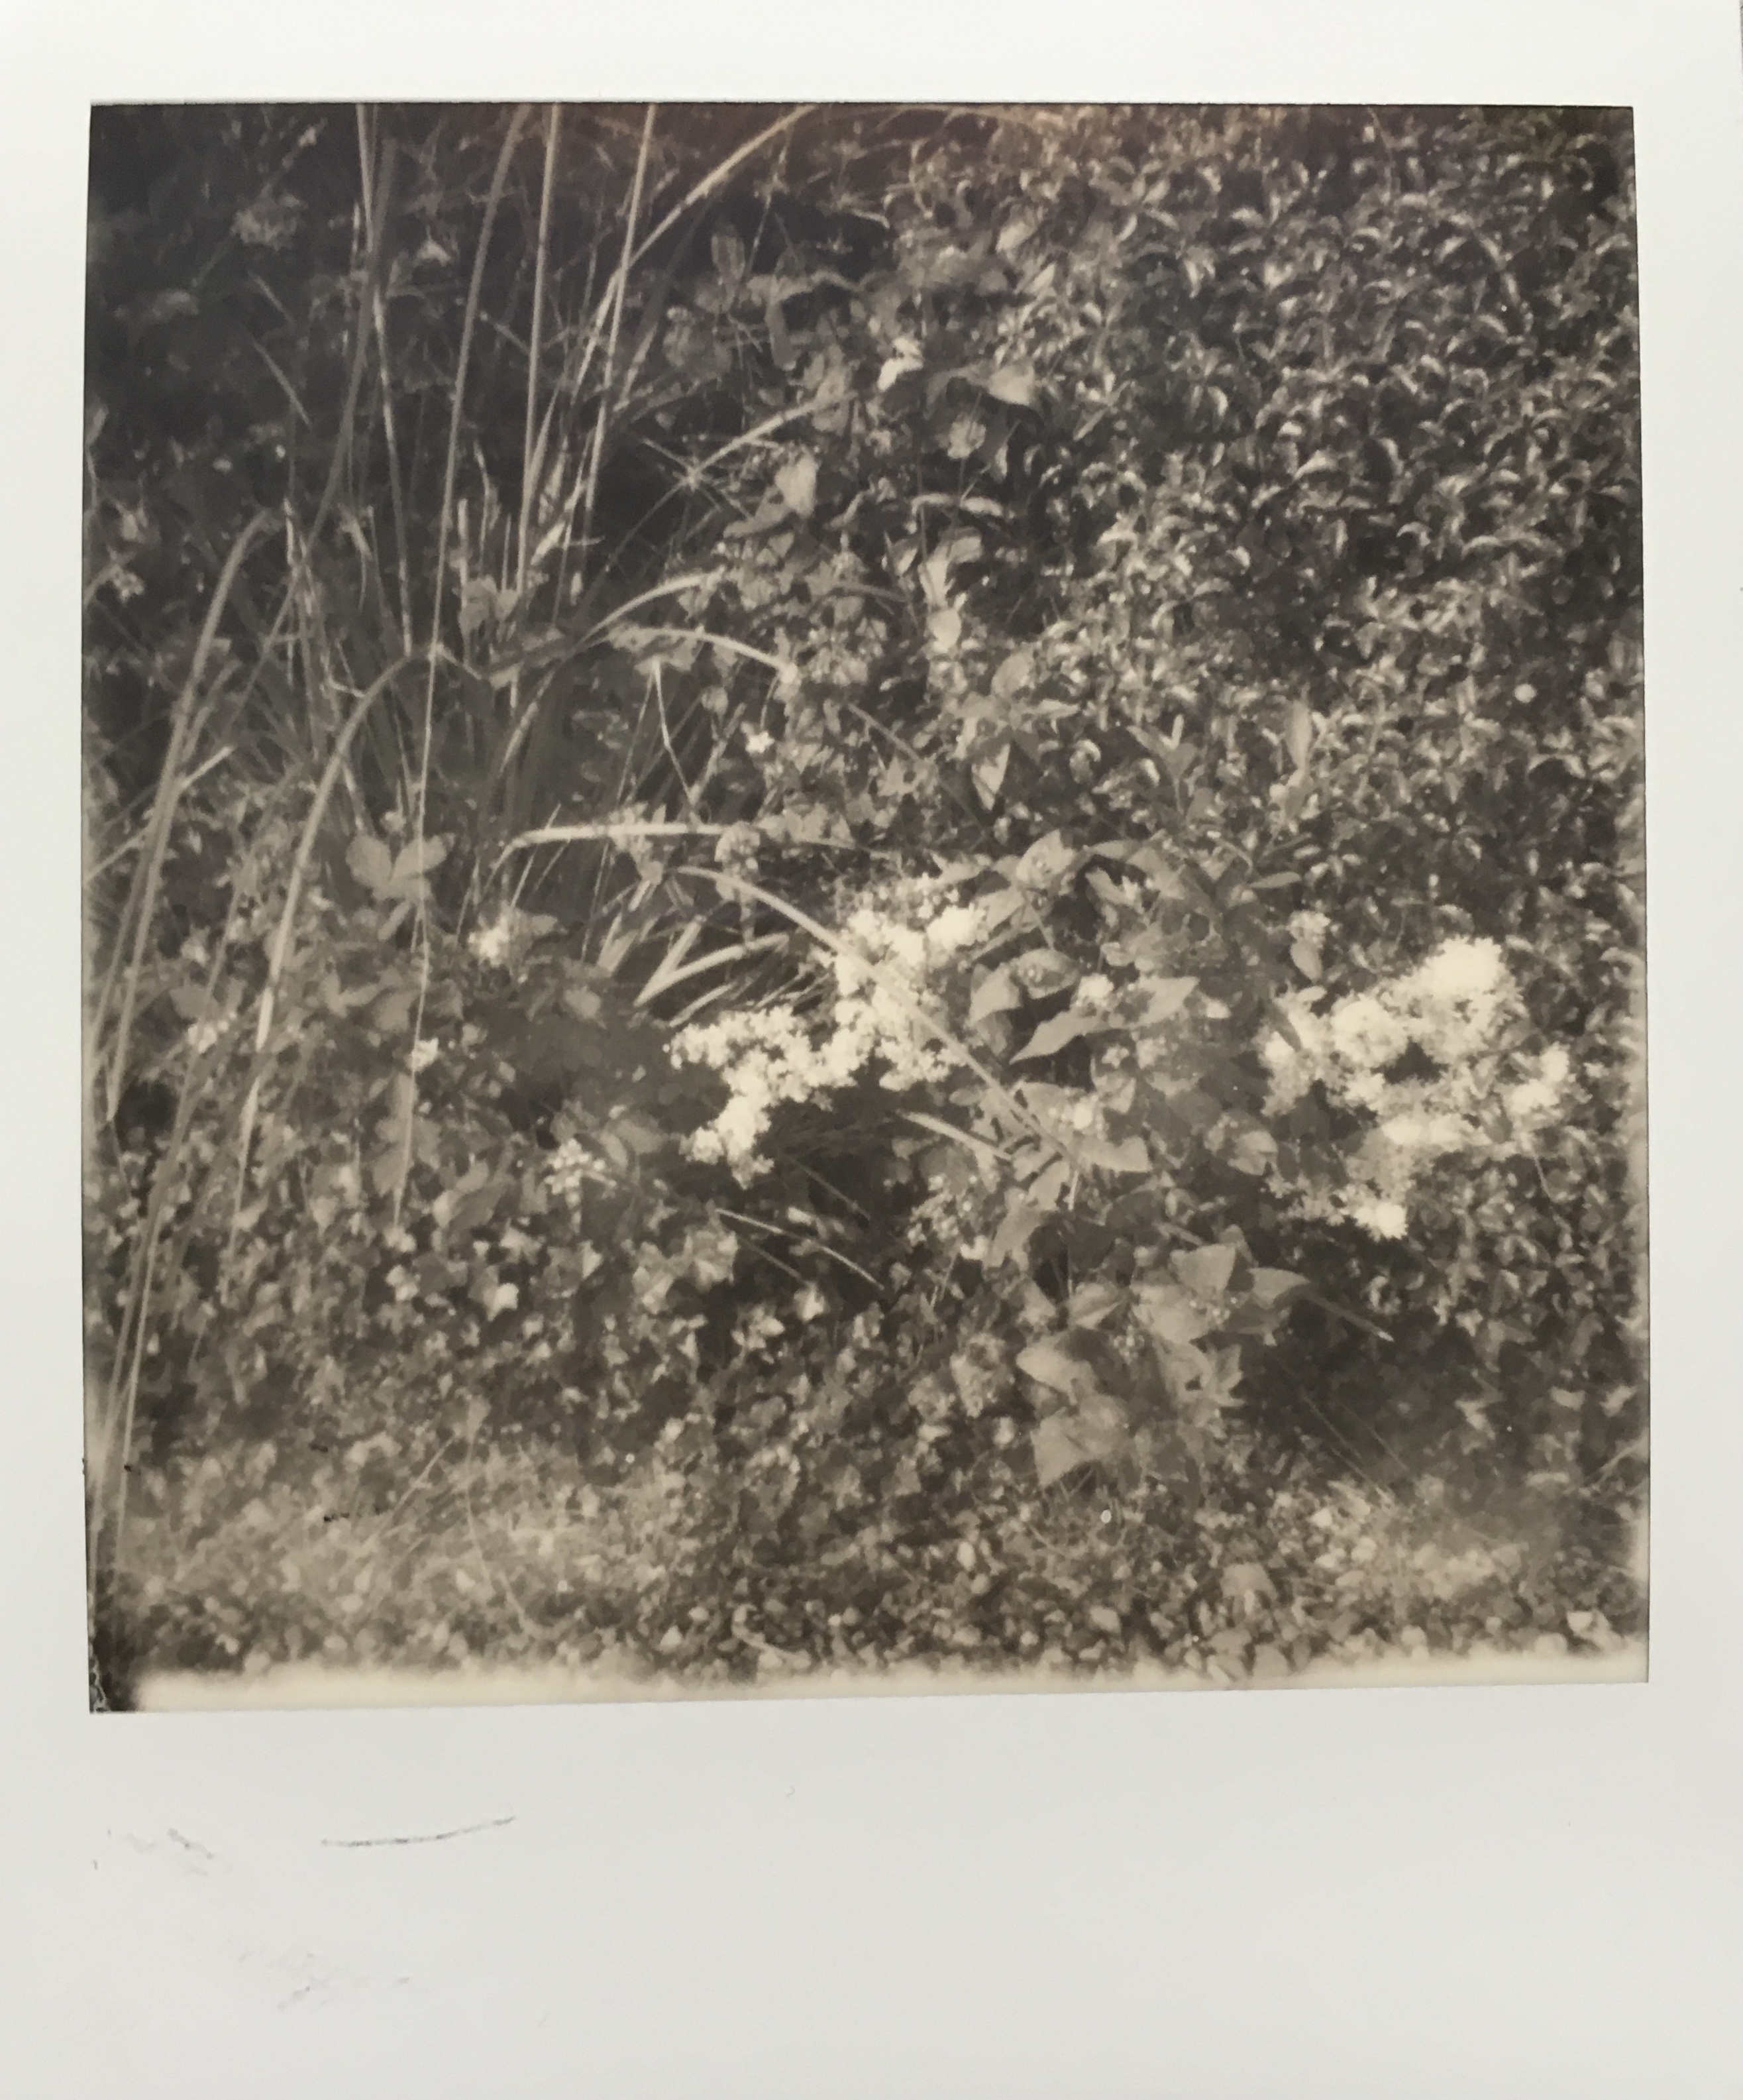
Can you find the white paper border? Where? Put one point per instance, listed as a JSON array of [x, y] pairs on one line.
[[1401, 1893]]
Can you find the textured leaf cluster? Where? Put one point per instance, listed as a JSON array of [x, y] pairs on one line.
[[978, 617]]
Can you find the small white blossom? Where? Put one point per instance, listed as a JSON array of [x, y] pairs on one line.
[[491, 944], [954, 929]]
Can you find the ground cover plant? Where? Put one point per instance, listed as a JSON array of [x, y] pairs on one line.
[[864, 886]]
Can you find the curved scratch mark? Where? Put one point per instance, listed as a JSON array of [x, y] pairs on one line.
[[421, 1838]]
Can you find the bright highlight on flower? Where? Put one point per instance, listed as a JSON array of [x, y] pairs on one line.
[[504, 941]]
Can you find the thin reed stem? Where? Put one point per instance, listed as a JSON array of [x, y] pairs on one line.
[[529, 448], [142, 901], [619, 289], [280, 946]]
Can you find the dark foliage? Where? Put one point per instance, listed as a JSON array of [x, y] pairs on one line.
[[866, 884]]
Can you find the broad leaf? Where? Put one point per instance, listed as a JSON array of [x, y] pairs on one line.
[[996, 993], [1251, 1150], [1091, 1303], [1053, 1035], [1058, 1449], [1082, 1437], [417, 859], [1013, 676], [989, 773], [1015, 1232], [1164, 997], [1130, 1156], [1051, 1364], [1170, 1314], [1043, 971], [1050, 1186], [1015, 384], [1206, 1270], [1271, 1285], [1047, 863], [945, 628]]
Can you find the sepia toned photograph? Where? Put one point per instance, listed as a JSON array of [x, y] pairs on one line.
[[864, 901]]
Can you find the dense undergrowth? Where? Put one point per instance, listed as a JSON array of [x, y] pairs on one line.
[[863, 885]]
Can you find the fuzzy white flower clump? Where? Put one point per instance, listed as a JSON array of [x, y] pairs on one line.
[[882, 975], [502, 943], [1454, 1012], [566, 1170]]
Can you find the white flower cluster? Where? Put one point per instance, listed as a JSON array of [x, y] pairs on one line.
[[1454, 1010], [567, 1170], [504, 941], [882, 972], [207, 1035]]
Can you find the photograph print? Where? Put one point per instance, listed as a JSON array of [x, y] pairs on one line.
[[864, 900]]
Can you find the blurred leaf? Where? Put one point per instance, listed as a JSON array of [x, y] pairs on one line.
[[1090, 1435], [1016, 1230], [1051, 1364], [1053, 1035], [727, 251], [1047, 863], [1205, 1270], [391, 1014], [1250, 1149], [797, 481], [417, 860], [1013, 383], [1015, 675], [1170, 1314], [1131, 1155], [369, 860], [1043, 971], [1164, 997], [989, 772], [193, 1002], [1091, 1303], [996, 992]]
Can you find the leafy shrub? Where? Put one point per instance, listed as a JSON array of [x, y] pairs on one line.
[[958, 879]]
